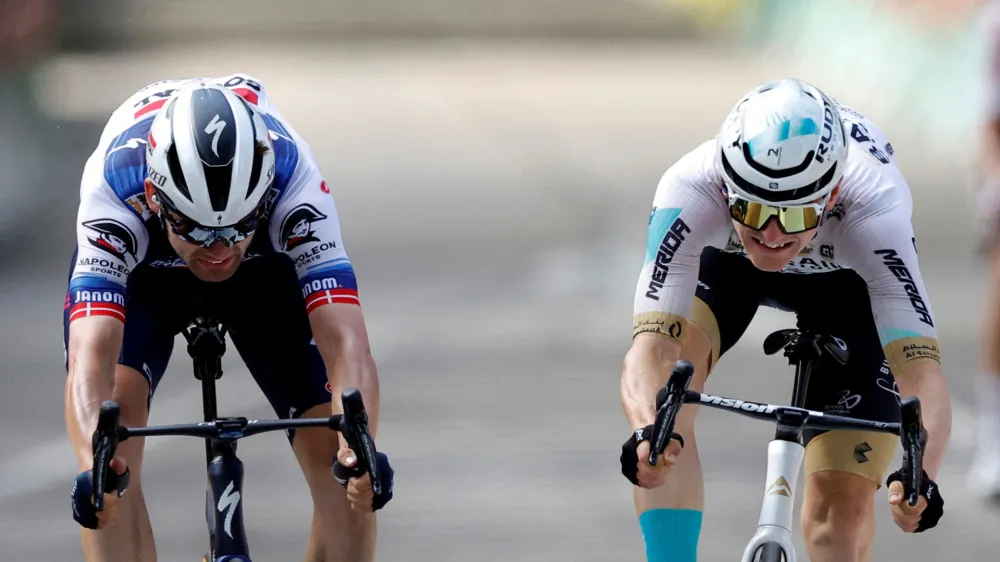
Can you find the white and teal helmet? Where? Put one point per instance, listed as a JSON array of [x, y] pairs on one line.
[[783, 144]]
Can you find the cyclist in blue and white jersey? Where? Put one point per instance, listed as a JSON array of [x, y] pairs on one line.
[[796, 204], [200, 198]]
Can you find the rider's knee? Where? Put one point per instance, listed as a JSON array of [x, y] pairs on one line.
[[838, 509], [131, 391]]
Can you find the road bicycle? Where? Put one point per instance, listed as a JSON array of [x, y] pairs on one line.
[[805, 350], [223, 510]]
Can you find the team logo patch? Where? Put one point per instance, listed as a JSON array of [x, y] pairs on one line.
[[113, 237], [297, 228]]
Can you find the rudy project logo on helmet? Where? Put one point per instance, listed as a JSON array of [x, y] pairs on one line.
[[297, 228], [113, 237]]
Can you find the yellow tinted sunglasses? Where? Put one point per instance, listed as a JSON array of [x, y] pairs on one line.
[[791, 220]]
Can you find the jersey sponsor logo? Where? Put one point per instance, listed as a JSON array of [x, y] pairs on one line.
[[898, 268], [96, 302], [251, 93], [861, 135], [806, 265], [113, 237], [138, 203], [297, 228], [836, 212], [663, 323], [103, 267], [152, 102], [914, 348], [671, 241]]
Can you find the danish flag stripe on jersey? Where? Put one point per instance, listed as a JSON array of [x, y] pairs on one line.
[[83, 309], [330, 296]]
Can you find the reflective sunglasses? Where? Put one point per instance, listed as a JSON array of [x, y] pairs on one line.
[[199, 235], [791, 220]]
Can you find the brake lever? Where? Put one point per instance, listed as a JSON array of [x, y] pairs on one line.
[[104, 443], [914, 441], [357, 435], [666, 412]]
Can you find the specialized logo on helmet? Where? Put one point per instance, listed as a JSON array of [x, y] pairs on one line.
[[113, 237], [215, 128], [297, 228]]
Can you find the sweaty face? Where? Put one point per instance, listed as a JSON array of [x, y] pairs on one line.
[[213, 264], [771, 249]]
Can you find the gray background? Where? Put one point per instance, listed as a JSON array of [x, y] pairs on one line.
[[493, 184]]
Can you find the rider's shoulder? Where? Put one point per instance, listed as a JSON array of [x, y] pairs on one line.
[[147, 100], [697, 166], [871, 172]]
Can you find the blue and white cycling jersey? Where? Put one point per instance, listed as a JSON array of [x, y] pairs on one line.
[[116, 231]]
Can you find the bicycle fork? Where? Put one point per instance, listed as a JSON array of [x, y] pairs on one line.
[[784, 460], [785, 454]]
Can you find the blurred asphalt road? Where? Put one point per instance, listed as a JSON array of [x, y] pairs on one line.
[[494, 201]]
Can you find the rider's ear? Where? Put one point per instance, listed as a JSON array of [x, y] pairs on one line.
[[833, 196], [151, 198]]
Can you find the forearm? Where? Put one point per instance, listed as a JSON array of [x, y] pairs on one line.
[[646, 369], [930, 386], [90, 382], [351, 365]]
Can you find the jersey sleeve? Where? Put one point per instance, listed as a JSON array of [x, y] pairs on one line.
[[883, 247], [111, 241], [305, 226], [688, 214]]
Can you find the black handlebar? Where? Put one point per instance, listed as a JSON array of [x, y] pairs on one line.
[[668, 403], [914, 438], [353, 424], [675, 394], [354, 427], [104, 443]]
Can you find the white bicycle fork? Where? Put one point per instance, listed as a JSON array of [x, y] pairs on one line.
[[784, 460]]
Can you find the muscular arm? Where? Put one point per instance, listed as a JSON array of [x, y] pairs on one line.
[[883, 247], [94, 345], [646, 369], [928, 383], [688, 215], [342, 340]]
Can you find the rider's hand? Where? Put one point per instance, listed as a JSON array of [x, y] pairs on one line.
[[635, 459], [83, 498], [358, 482], [918, 518]]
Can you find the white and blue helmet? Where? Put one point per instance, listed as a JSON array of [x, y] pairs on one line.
[[783, 144], [210, 156]]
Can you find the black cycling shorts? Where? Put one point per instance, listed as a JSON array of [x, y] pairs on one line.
[[834, 303], [263, 310]]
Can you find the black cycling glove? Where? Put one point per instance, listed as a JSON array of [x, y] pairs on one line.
[[82, 495], [385, 473], [930, 491], [630, 458]]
